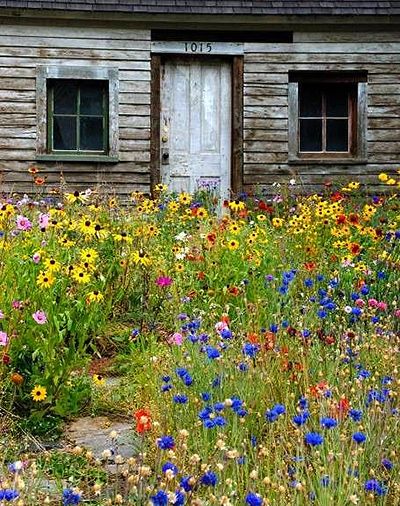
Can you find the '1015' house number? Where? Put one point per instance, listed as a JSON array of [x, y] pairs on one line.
[[198, 47]]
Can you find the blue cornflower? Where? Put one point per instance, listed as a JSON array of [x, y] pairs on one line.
[[285, 324], [219, 406], [226, 333], [253, 441], [279, 409], [321, 313], [184, 483], [355, 415], [283, 290], [205, 413], [70, 497], [328, 423], [308, 282], [273, 328], [272, 414], [375, 486], [387, 464], [359, 437], [306, 333], [220, 421], [169, 466], [387, 380], [301, 418], [325, 481], [159, 499], [320, 277], [209, 479], [216, 382], [243, 367], [250, 349], [180, 399], [9, 494], [313, 438], [253, 499], [212, 352], [364, 289], [206, 396], [209, 423], [381, 275], [166, 443], [167, 387], [303, 403], [166, 379], [181, 372], [241, 460], [179, 499]]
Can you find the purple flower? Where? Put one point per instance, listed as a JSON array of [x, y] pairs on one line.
[[23, 223], [40, 317], [3, 338], [163, 281]]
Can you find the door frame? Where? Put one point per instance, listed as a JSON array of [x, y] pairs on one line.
[[236, 123]]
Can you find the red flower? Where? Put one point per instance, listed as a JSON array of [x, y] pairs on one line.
[[309, 266], [340, 219], [342, 407], [336, 197], [143, 420]]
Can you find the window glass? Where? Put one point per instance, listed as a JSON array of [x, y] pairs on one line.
[[311, 135], [337, 135], [79, 114], [64, 133], [310, 101], [337, 101]]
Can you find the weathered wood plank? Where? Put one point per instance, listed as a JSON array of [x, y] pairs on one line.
[[259, 112], [383, 123], [265, 146], [384, 147], [389, 100], [134, 56], [71, 167], [349, 48], [279, 76], [77, 33], [268, 68], [134, 98], [267, 124], [265, 135], [134, 133], [132, 110], [17, 96], [264, 100], [128, 65], [134, 121], [343, 37], [89, 178], [265, 90], [384, 134], [17, 133], [134, 145], [16, 83], [265, 157], [384, 112], [312, 169]]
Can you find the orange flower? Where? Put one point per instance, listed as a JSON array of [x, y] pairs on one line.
[[17, 379], [143, 420], [33, 170], [234, 290], [269, 340], [225, 319], [310, 266], [201, 275], [39, 181], [253, 338]]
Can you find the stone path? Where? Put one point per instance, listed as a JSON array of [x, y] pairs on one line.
[[94, 434]]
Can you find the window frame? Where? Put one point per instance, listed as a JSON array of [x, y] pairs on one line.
[[44, 125], [357, 152]]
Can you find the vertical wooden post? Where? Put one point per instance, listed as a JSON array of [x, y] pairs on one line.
[[237, 124], [155, 121]]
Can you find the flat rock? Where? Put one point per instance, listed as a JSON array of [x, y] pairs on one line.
[[93, 433]]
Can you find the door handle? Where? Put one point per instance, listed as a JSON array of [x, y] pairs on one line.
[[165, 157]]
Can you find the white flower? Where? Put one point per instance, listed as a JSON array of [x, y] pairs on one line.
[[347, 309], [181, 236], [292, 182]]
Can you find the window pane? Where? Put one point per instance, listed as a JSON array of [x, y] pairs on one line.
[[337, 135], [337, 102], [64, 133], [310, 135], [92, 98], [91, 134], [65, 97], [310, 101]]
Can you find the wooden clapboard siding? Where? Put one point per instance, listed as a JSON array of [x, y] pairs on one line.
[[22, 49], [266, 68]]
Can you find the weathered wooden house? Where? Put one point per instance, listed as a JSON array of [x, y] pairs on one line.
[[233, 93]]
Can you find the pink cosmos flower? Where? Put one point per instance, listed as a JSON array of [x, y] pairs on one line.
[[44, 220], [36, 258], [3, 338], [164, 281], [397, 313], [221, 326], [372, 302], [382, 306], [176, 338], [1, 315], [23, 223], [40, 317], [360, 303], [17, 304]]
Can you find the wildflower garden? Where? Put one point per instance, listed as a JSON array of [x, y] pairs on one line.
[[256, 344]]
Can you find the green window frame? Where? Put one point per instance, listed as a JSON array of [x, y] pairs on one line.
[[78, 116]]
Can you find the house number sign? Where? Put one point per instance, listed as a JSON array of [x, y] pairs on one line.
[[197, 47]]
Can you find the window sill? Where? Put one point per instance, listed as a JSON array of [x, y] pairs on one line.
[[327, 161], [77, 158]]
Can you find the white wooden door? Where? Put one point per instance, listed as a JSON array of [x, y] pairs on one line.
[[195, 144]]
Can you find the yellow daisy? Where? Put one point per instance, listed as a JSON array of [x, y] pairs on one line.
[[39, 393]]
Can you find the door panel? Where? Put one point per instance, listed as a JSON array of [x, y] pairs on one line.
[[196, 124]]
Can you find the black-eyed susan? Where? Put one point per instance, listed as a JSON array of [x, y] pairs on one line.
[[234, 228], [52, 265], [89, 255], [140, 257], [173, 206], [123, 236], [277, 222], [233, 244], [86, 226], [185, 198], [80, 275], [94, 296], [160, 187], [98, 380], [65, 242], [261, 217], [39, 393], [179, 267], [45, 279], [237, 205]]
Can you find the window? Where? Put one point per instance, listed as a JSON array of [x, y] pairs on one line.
[[77, 116], [77, 109], [327, 116]]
